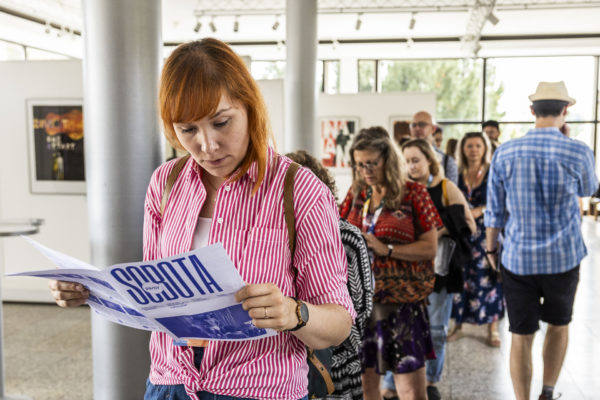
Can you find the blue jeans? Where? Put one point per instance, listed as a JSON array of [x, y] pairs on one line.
[[439, 309], [177, 392]]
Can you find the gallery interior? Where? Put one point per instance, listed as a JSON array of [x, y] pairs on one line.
[[317, 62]]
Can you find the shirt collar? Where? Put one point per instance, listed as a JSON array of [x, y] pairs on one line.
[[552, 129]]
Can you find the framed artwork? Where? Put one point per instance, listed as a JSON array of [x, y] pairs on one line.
[[337, 134], [55, 135], [399, 126]]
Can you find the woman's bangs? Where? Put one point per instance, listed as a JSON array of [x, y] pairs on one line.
[[194, 98]]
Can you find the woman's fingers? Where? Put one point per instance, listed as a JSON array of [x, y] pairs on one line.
[[266, 305], [68, 294]]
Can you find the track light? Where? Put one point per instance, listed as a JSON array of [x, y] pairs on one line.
[[492, 18], [409, 42], [198, 25], [413, 21], [279, 45], [358, 21], [476, 49], [334, 44], [276, 23], [236, 24], [212, 25], [47, 29]]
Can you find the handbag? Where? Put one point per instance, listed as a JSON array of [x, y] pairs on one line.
[[446, 244], [320, 383]]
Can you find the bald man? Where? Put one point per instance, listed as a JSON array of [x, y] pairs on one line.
[[422, 127]]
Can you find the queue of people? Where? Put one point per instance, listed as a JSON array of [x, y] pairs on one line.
[[418, 242]]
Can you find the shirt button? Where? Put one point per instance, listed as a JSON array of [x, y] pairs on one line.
[[219, 220], [227, 188]]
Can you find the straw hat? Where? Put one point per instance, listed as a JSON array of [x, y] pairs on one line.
[[552, 91]]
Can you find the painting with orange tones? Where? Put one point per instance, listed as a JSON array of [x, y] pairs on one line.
[[56, 142]]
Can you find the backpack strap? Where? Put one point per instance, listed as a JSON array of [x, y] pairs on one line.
[[171, 181], [445, 193], [288, 205]]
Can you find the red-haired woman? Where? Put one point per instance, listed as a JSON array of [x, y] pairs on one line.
[[229, 191]]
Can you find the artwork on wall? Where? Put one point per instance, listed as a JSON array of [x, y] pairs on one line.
[[337, 134], [55, 133], [399, 127]]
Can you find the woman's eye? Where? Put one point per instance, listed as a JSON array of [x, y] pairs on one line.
[[187, 130], [221, 124]]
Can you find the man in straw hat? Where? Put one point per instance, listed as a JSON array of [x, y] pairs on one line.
[[533, 194]]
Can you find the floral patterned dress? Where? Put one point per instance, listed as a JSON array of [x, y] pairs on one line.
[[482, 299]]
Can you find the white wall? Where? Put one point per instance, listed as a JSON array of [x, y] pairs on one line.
[[371, 109], [66, 226]]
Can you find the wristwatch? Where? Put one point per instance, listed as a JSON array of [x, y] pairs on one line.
[[301, 313], [390, 248]]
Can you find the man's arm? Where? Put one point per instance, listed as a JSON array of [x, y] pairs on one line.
[[491, 250]]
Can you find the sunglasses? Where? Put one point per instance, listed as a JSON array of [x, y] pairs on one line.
[[368, 166]]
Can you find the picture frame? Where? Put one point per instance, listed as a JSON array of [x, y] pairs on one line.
[[337, 134], [56, 145]]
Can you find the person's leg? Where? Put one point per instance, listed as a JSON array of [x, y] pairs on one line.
[[520, 365], [411, 386], [439, 309], [370, 382], [555, 348], [493, 335]]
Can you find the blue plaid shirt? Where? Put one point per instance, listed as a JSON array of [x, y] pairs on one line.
[[532, 192]]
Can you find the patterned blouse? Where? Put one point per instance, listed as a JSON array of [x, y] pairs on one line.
[[399, 281]]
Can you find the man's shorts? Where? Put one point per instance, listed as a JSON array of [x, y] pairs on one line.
[[546, 297]]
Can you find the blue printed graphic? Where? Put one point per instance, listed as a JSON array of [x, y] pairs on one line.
[[133, 312], [227, 323], [112, 305]]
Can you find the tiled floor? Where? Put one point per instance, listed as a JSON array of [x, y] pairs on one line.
[[48, 356]]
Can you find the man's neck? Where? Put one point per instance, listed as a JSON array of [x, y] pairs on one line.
[[549, 122]]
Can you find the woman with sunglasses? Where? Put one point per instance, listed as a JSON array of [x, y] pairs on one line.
[[482, 301], [399, 222]]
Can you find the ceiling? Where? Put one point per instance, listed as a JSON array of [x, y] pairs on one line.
[[438, 26]]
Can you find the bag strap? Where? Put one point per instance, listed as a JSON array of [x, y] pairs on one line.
[[288, 205], [171, 181], [322, 370], [445, 193]]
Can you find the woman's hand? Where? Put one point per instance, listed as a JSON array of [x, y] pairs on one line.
[[268, 307], [68, 294], [378, 247]]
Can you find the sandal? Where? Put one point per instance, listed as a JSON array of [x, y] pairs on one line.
[[455, 335], [493, 339]]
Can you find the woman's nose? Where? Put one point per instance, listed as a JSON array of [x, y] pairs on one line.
[[208, 143]]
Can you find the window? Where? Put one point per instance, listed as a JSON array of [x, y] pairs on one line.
[[366, 75], [456, 83], [331, 76], [268, 69], [516, 78]]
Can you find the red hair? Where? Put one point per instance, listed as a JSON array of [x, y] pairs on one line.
[[194, 78]]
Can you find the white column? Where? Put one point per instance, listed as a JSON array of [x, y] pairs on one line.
[[300, 87], [122, 147]]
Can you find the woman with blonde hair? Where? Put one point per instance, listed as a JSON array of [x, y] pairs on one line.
[[229, 191], [481, 301], [399, 222]]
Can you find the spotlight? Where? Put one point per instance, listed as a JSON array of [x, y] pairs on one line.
[[409, 42], [212, 25], [198, 26], [47, 29], [59, 32], [276, 23], [413, 21], [476, 49], [236, 24], [492, 18], [358, 22], [334, 44]]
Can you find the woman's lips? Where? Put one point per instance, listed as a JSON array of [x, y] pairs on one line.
[[216, 162]]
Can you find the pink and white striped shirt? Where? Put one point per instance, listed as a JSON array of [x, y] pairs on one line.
[[252, 229]]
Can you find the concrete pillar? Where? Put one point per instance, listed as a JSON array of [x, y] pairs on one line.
[[122, 58], [300, 86]]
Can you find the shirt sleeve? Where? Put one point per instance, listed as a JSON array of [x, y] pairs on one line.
[[495, 211], [346, 205], [152, 219], [319, 256], [426, 213], [588, 183], [451, 170]]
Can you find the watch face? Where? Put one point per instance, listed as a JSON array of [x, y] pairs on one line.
[[304, 312]]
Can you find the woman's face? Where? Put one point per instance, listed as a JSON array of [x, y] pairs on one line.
[[418, 164], [369, 164], [219, 142], [474, 149]]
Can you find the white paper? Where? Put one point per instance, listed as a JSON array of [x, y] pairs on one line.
[[188, 296]]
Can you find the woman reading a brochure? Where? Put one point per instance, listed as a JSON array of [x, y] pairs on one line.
[[230, 191]]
